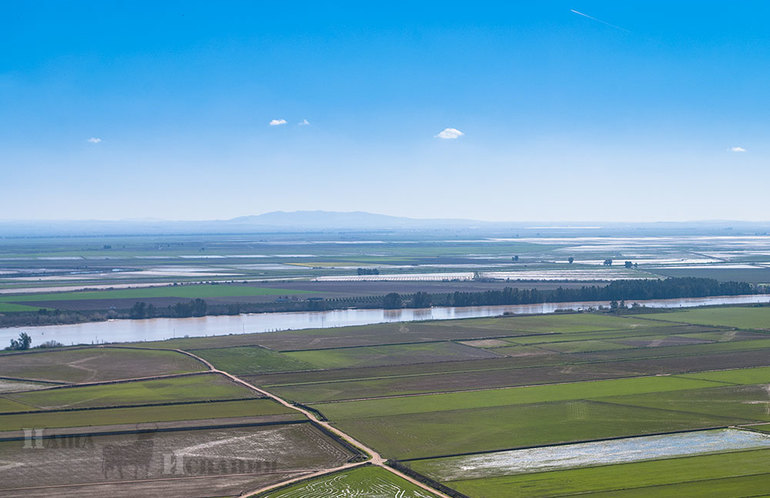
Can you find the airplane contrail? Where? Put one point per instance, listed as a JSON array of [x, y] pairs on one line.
[[598, 20]]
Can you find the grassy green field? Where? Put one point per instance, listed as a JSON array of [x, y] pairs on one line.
[[449, 432], [180, 291], [424, 390], [12, 308], [749, 403], [95, 364], [251, 360], [602, 335], [738, 317], [7, 405], [566, 323], [757, 375], [510, 396], [360, 481], [389, 355], [745, 473], [461, 422], [145, 414], [202, 387]]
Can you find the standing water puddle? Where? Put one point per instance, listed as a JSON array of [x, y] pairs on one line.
[[595, 453]]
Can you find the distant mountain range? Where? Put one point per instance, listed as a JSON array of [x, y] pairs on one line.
[[338, 219], [358, 221]]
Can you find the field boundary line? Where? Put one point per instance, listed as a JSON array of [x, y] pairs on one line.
[[116, 381], [374, 457], [158, 429], [602, 400], [527, 386], [29, 380], [118, 407], [579, 441], [302, 478], [653, 486], [128, 481]]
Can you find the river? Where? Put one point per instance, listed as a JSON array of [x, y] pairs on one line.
[[167, 328]]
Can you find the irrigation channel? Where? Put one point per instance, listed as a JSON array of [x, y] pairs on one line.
[[155, 329]]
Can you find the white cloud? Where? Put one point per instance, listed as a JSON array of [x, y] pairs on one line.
[[277, 122], [737, 149], [304, 122], [94, 140], [450, 133]]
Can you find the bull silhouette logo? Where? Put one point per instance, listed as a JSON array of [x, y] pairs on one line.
[[134, 456]]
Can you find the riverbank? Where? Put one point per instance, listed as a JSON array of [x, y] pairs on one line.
[[166, 328]]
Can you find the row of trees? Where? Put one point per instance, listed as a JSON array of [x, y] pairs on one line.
[[618, 290], [394, 300], [368, 271], [196, 307], [24, 342]]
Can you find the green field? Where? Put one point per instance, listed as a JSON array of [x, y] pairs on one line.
[[7, 405], [180, 291], [366, 480], [746, 403], [450, 432], [424, 390], [505, 397], [251, 360], [745, 473], [389, 355], [738, 317], [95, 364], [11, 307], [757, 375], [461, 422], [566, 323], [146, 414], [202, 387]]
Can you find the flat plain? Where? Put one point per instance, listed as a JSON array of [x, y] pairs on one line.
[[416, 393]]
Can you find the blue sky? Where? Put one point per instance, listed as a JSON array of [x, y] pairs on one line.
[[643, 111]]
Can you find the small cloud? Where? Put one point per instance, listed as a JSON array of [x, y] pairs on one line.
[[450, 134], [277, 122], [304, 122], [94, 140], [737, 149]]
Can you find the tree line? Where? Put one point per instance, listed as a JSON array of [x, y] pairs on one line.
[[621, 290], [670, 288]]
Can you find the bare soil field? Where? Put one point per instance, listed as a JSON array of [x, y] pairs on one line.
[[9, 386], [197, 463]]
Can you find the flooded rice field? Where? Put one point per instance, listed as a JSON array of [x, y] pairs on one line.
[[615, 451]]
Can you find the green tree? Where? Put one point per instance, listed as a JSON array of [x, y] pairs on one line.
[[391, 301], [22, 343], [421, 300]]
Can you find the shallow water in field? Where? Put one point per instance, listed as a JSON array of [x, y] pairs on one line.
[[625, 450]]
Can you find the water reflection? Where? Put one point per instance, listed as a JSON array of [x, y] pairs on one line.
[[166, 328]]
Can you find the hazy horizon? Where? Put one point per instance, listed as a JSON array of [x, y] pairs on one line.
[[596, 110], [576, 224]]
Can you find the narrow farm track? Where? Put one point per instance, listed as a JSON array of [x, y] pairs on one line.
[[374, 457]]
